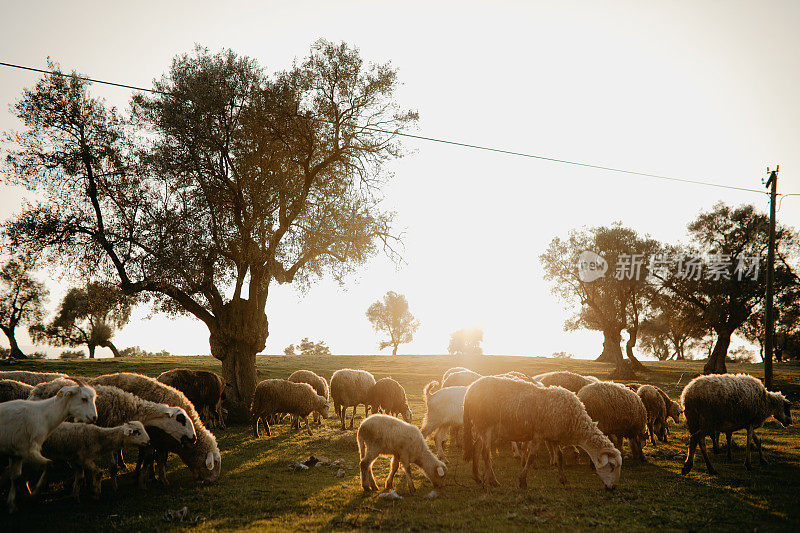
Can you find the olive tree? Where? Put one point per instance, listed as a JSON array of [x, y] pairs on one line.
[[221, 183], [22, 298], [393, 317]]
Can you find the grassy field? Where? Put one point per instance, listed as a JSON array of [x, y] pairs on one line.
[[258, 491]]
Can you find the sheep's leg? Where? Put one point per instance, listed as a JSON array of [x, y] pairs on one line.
[[15, 471], [161, 462], [308, 428], [652, 432], [409, 480], [761, 458], [367, 477], [710, 468], [747, 464], [562, 477], [295, 422], [729, 439], [95, 480], [526, 464], [636, 447], [392, 472], [488, 473], [476, 454], [77, 481], [454, 435], [438, 437], [37, 458], [687, 465], [354, 416], [143, 465]]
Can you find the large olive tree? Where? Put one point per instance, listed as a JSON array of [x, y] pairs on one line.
[[22, 298], [224, 181]]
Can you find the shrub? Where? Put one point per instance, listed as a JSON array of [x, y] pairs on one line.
[[72, 354], [562, 355]]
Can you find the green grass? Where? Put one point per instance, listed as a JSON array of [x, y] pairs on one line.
[[257, 491]]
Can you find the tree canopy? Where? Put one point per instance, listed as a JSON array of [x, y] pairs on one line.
[[466, 342], [22, 298], [393, 317]]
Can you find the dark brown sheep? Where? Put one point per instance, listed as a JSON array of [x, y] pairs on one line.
[[206, 391], [390, 397]]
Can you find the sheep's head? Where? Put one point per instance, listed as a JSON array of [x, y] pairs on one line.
[[608, 464], [177, 424], [437, 473], [407, 414], [135, 434], [782, 409], [323, 407], [205, 465], [80, 402]]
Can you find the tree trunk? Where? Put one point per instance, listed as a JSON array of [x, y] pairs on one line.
[[238, 334], [91, 351], [716, 361], [110, 346], [394, 352], [635, 363], [612, 352], [16, 353]]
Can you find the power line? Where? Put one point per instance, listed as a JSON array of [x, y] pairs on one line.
[[432, 139]]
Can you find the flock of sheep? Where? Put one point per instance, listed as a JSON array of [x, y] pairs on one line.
[[569, 413]]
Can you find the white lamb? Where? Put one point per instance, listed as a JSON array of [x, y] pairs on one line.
[[444, 410], [26, 424]]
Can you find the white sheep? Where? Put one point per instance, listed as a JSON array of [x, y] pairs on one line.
[[80, 444], [461, 378], [453, 370], [727, 403], [444, 410], [30, 377], [26, 424], [386, 435], [350, 388]]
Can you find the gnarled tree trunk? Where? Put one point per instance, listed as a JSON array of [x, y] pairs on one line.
[[716, 361], [110, 346], [612, 352], [635, 363], [91, 350], [16, 353], [238, 334]]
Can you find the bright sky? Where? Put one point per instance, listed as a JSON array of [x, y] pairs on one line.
[[704, 90]]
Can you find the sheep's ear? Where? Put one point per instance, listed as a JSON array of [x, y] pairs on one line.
[[128, 431], [440, 471], [603, 460], [210, 461]]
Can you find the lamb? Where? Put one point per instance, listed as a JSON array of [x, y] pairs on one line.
[[444, 409], [31, 378], [81, 444], [385, 435], [673, 409], [206, 391], [350, 388], [727, 403], [563, 378], [282, 396], [319, 384], [619, 413], [27, 424], [11, 389], [115, 407], [459, 379], [202, 457], [519, 411], [656, 412], [388, 396]]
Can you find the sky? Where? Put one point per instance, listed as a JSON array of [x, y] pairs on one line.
[[703, 90]]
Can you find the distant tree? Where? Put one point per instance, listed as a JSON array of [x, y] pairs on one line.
[[225, 174], [393, 317], [616, 301], [728, 246], [309, 347], [562, 355], [289, 350], [136, 351], [466, 341], [72, 354], [22, 298], [673, 323], [87, 316]]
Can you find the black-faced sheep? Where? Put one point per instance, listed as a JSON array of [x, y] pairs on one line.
[[202, 457], [385, 435], [81, 444], [727, 403], [349, 388], [319, 383], [11, 389], [388, 396], [518, 411], [206, 391], [461, 379], [619, 413], [444, 410], [563, 378], [282, 396]]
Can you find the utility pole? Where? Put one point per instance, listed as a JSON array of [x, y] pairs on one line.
[[769, 326]]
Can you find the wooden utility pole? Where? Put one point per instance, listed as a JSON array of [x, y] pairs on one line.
[[769, 326]]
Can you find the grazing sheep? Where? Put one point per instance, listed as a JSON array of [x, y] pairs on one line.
[[388, 396], [727, 403], [206, 391], [619, 413], [115, 407], [444, 409], [350, 388], [80, 444], [282, 396], [673, 409], [202, 457], [319, 384], [11, 389], [31, 378], [519, 411], [385, 435], [563, 378], [656, 412], [461, 379], [453, 370], [26, 424]]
